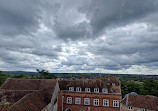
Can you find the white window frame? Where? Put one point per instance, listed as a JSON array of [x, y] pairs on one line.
[[130, 108], [115, 103], [96, 102], [96, 90], [77, 100], [71, 88], [104, 90], [78, 89], [106, 102], [86, 100], [87, 90], [145, 110], [113, 84], [69, 100]]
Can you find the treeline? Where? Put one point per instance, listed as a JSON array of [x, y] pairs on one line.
[[42, 74], [147, 87]]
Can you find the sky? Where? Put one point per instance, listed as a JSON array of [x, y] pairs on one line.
[[86, 36]]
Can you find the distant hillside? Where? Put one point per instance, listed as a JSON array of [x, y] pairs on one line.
[[19, 72], [89, 75]]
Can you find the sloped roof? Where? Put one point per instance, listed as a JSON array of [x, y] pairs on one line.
[[34, 101], [13, 95], [26, 84], [141, 101], [90, 83]]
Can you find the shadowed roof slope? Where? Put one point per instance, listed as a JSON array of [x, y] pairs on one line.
[[34, 101]]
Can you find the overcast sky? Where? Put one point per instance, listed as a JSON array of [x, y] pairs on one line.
[[108, 36]]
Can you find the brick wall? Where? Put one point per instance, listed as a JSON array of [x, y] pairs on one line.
[[83, 95]]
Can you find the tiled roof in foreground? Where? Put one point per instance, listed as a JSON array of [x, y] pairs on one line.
[[34, 101], [141, 101], [27, 94]]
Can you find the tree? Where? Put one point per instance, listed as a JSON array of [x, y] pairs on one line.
[[150, 87], [45, 74]]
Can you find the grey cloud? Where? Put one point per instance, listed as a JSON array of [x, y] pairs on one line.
[[104, 13], [19, 17], [73, 32]]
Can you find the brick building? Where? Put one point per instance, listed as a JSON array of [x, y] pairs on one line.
[[89, 95], [135, 102], [61, 95]]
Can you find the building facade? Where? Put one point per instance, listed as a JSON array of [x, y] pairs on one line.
[[90, 95]]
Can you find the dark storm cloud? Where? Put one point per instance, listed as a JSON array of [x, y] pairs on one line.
[[19, 16], [78, 35], [103, 13], [73, 32]]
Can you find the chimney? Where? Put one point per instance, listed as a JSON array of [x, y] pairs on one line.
[[83, 77], [109, 77]]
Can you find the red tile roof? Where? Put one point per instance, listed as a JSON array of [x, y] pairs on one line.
[[91, 83], [13, 96], [26, 84], [140, 101], [27, 94], [34, 101]]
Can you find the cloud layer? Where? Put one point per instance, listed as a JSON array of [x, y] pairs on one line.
[[79, 36]]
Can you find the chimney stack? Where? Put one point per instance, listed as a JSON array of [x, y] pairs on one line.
[[109, 77], [83, 77]]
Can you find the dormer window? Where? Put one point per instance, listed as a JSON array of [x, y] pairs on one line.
[[104, 90], [78, 89], [87, 90], [113, 84], [130, 108], [71, 88], [96, 90]]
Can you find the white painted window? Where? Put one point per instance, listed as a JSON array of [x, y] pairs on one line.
[[87, 90], [115, 103], [105, 102], [77, 100], [86, 101], [78, 89], [71, 88], [69, 100], [104, 90], [96, 90], [81, 110], [96, 102], [113, 84], [130, 108]]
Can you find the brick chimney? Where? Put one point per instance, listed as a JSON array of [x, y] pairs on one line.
[[83, 77], [109, 77]]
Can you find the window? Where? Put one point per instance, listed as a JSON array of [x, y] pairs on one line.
[[77, 100], [130, 108], [113, 84], [104, 90], [78, 89], [81, 110], [69, 100], [87, 90], [71, 88], [86, 101], [115, 103], [96, 90], [96, 102], [145, 110], [68, 109], [105, 102]]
